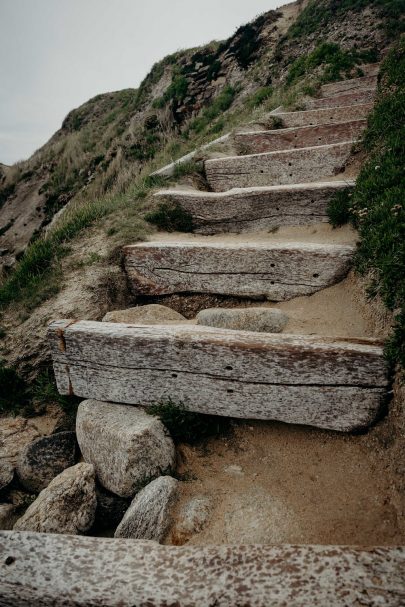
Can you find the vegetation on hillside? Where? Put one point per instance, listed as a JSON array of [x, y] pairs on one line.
[[376, 208]]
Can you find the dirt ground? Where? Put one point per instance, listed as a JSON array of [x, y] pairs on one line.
[[273, 483]]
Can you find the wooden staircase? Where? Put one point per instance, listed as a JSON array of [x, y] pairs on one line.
[[285, 178], [279, 178]]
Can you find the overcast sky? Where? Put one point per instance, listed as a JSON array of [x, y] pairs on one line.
[[56, 54]]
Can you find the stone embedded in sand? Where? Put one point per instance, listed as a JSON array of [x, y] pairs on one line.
[[148, 517], [152, 314], [45, 458], [125, 445], [15, 434], [262, 320], [67, 505], [191, 519]]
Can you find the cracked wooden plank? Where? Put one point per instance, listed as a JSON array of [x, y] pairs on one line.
[[361, 96], [329, 383], [257, 142], [61, 570], [251, 209], [324, 116], [274, 271], [277, 168]]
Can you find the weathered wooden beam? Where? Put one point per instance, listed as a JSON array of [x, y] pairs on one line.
[[324, 382], [277, 168], [324, 116], [250, 209], [60, 570], [275, 271], [362, 96], [257, 142], [353, 84]]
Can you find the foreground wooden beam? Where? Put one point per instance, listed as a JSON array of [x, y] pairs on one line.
[[274, 271], [324, 116], [55, 570], [250, 209], [257, 142], [277, 168], [329, 383]]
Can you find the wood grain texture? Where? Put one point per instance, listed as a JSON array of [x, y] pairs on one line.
[[276, 271], [324, 382], [351, 85], [348, 98], [51, 570], [277, 168], [251, 209], [257, 142], [324, 116]]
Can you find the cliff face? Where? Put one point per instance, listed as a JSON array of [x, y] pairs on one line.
[[104, 144]]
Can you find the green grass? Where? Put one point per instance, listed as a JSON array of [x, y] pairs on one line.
[[171, 217], [336, 62], [186, 426], [220, 104], [376, 207]]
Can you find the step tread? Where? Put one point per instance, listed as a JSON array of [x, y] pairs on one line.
[[349, 84], [326, 382], [277, 168], [250, 142], [277, 270], [131, 572], [323, 115], [335, 101], [255, 190]]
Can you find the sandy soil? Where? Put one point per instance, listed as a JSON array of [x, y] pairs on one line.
[[273, 483]]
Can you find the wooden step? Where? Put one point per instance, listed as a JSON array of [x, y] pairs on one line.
[[49, 570], [257, 142], [325, 382], [250, 209], [277, 168], [324, 116], [354, 84], [362, 96], [275, 271]]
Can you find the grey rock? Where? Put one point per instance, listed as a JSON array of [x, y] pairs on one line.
[[125, 444], [7, 516], [6, 474], [67, 505], [45, 458], [149, 514], [191, 519], [152, 314], [262, 320]]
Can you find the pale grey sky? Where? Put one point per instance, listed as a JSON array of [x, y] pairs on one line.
[[57, 54]]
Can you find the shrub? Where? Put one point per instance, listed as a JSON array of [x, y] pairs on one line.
[[220, 104], [259, 97], [377, 203], [338, 209], [171, 218], [13, 390], [334, 59], [186, 426]]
